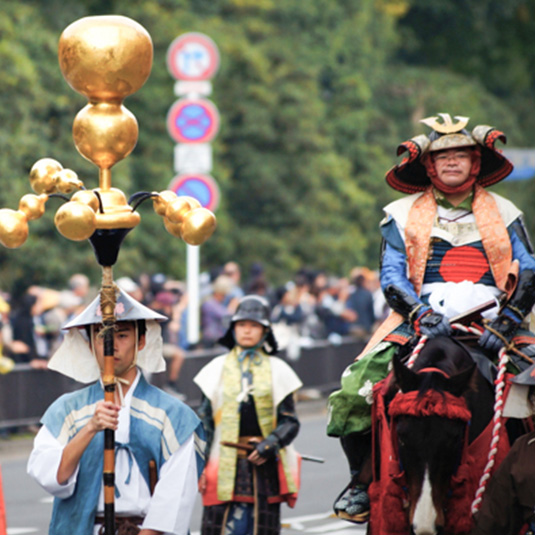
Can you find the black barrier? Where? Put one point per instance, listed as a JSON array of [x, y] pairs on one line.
[[26, 393]]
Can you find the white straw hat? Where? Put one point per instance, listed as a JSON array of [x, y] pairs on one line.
[[74, 357]]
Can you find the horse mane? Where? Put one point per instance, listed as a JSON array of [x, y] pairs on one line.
[[449, 358], [444, 353]]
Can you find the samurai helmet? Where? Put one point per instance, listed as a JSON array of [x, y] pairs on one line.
[[410, 176], [253, 308]]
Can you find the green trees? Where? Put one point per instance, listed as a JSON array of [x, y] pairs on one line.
[[314, 97]]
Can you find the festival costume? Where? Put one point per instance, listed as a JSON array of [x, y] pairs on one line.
[[509, 502], [158, 428], [439, 261], [153, 426], [442, 271], [248, 393]]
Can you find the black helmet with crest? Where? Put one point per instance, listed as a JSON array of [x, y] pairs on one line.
[[410, 176]]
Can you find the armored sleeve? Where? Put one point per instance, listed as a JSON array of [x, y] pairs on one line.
[[521, 231], [287, 421], [522, 250], [393, 268], [286, 430], [205, 413]]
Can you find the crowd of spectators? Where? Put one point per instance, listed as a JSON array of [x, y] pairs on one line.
[[312, 305]]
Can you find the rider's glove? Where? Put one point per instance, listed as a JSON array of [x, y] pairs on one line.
[[500, 330], [268, 447], [431, 324]]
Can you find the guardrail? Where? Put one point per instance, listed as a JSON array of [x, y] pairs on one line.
[[25, 393]]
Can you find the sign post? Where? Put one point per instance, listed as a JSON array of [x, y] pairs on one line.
[[193, 122]]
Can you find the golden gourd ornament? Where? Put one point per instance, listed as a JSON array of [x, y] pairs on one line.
[[13, 228], [198, 225]]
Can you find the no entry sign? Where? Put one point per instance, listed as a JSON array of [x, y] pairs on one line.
[[201, 187], [192, 56]]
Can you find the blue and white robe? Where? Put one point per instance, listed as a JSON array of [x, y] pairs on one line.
[[152, 425]]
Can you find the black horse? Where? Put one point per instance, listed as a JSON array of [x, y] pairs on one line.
[[436, 410]]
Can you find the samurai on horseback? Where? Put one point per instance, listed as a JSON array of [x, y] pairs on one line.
[[448, 247]]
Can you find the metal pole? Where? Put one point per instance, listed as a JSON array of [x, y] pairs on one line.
[[193, 286], [107, 305]]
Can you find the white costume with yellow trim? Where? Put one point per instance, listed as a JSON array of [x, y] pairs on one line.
[[283, 382]]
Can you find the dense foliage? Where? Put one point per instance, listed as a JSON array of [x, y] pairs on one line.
[[314, 97]]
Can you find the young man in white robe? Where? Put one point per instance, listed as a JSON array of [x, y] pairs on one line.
[[149, 425]]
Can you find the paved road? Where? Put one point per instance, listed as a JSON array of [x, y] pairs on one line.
[[29, 507]]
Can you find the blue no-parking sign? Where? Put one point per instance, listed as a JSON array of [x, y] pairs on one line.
[[193, 120], [201, 187]]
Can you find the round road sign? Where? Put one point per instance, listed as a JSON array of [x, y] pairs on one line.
[[193, 56], [201, 187], [193, 121]]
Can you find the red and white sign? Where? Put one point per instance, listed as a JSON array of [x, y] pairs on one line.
[[193, 56], [192, 120], [201, 187]]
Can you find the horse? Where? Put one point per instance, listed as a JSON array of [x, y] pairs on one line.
[[424, 476]]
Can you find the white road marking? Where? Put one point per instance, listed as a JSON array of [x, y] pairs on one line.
[[333, 528], [308, 518]]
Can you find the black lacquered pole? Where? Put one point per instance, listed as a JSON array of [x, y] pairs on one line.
[[106, 245], [107, 304]]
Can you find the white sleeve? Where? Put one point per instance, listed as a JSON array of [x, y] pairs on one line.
[[172, 503], [44, 462]]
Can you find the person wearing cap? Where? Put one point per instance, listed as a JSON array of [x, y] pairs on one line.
[[448, 247], [214, 312], [149, 425], [233, 272], [248, 412], [508, 506], [167, 302]]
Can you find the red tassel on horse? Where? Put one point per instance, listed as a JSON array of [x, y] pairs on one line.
[[388, 499]]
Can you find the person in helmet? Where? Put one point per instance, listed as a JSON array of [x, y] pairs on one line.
[[248, 412], [448, 247], [149, 425]]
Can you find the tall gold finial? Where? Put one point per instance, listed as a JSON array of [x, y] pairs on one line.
[[105, 58]]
